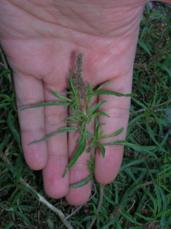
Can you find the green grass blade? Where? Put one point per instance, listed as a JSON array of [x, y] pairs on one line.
[[97, 106], [133, 146], [60, 97], [89, 92], [80, 148], [11, 125], [129, 217], [82, 182], [138, 102], [91, 164], [110, 92], [113, 134], [102, 113], [60, 130], [42, 104], [72, 87], [102, 149], [144, 46]]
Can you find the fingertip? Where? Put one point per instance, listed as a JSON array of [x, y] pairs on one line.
[[35, 156], [55, 185], [107, 168], [104, 180], [36, 164], [79, 196], [56, 190]]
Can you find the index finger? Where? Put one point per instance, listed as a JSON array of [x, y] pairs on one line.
[[29, 90]]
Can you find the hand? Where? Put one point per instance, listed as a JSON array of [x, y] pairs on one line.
[[39, 39]]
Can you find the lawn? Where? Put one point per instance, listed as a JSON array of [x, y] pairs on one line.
[[140, 197]]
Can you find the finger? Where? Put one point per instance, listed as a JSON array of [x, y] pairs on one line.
[[78, 196], [29, 91], [56, 186], [106, 168]]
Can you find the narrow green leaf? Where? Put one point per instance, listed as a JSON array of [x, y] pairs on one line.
[[131, 164], [146, 218], [73, 118], [97, 106], [142, 105], [42, 104], [60, 97], [80, 148], [133, 146], [109, 92], [91, 164], [58, 131], [113, 134], [72, 87], [5, 72], [144, 46], [11, 125], [129, 217], [89, 92], [152, 136], [82, 182], [102, 113], [102, 149], [97, 131]]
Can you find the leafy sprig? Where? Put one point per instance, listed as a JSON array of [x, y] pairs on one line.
[[82, 111]]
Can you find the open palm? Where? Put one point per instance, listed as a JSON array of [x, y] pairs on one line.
[[39, 40]]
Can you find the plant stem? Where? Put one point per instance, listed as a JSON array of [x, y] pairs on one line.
[[99, 205], [58, 212]]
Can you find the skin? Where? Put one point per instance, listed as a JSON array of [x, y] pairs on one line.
[[40, 39]]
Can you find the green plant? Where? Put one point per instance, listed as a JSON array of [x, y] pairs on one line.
[[83, 111]]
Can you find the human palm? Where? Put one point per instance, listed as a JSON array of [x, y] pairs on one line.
[[39, 44]]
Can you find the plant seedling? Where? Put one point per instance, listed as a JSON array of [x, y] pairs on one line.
[[82, 111]]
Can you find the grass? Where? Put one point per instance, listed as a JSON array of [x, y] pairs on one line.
[[140, 197]]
